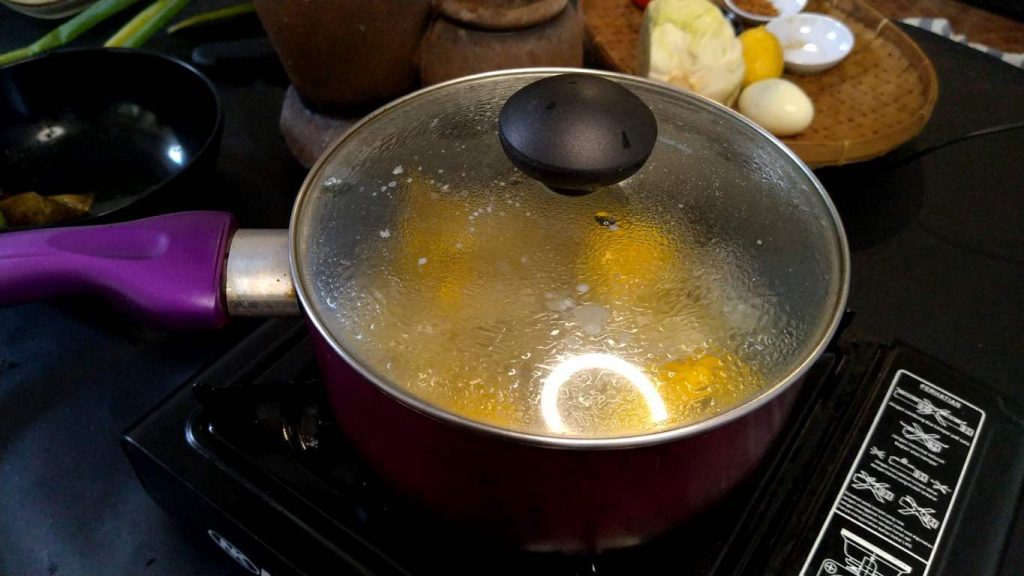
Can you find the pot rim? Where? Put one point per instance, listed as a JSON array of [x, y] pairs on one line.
[[575, 443]]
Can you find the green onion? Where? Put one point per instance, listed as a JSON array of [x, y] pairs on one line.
[[139, 29], [69, 30], [213, 16], [132, 26]]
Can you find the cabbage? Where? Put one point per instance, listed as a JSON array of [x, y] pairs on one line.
[[689, 44]]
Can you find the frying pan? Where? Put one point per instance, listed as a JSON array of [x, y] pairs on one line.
[[133, 128]]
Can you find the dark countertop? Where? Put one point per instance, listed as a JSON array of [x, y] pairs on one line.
[[938, 261]]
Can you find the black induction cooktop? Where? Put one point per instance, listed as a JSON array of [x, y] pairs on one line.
[[893, 465]]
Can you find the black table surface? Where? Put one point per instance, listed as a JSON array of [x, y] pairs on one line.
[[936, 232]]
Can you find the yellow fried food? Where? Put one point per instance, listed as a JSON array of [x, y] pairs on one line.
[[721, 378], [481, 403], [448, 246], [432, 248], [467, 313], [624, 261], [31, 209]]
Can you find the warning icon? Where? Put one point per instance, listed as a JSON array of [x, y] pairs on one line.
[[863, 559]]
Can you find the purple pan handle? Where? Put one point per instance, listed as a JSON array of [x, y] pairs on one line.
[[167, 270]]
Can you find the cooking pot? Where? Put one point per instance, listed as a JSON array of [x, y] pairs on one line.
[[495, 269]]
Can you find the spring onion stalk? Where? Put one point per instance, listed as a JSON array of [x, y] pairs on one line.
[[213, 16], [69, 30], [142, 27], [133, 25]]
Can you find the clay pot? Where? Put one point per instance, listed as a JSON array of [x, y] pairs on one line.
[[454, 48], [501, 14], [347, 55]]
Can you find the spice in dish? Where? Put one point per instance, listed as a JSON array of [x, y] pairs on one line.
[[758, 7]]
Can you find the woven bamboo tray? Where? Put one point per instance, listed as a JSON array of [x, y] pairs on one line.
[[878, 98]]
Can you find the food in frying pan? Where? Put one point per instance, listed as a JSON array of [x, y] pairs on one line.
[[32, 209]]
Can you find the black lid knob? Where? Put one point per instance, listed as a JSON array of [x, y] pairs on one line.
[[577, 132]]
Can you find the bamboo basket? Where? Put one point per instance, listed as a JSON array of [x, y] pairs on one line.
[[879, 97]]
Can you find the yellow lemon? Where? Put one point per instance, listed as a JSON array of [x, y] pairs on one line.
[[762, 55]]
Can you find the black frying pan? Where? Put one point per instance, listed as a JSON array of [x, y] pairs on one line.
[[124, 125]]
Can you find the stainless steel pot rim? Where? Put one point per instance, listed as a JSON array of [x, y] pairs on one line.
[[576, 443]]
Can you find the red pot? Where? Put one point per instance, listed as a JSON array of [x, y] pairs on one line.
[[544, 498], [536, 480]]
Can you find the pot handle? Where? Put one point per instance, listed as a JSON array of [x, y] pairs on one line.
[[259, 278], [166, 270]]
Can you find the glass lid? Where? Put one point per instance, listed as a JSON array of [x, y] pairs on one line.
[[674, 300]]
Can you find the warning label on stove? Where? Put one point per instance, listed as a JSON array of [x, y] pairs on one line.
[[889, 517]]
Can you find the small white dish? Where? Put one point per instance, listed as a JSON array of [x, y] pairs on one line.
[[811, 43], [783, 7]]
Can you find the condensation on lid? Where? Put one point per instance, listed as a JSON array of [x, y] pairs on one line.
[[686, 290]]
